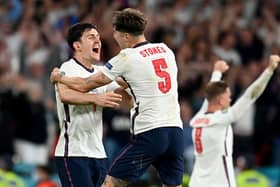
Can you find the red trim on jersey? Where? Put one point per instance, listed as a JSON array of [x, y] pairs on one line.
[[198, 143], [205, 121]]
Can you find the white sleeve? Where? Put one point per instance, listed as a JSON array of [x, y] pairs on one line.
[[251, 94], [65, 68], [116, 66], [216, 76], [112, 86]]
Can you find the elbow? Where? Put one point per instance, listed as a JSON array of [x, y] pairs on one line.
[[83, 88], [64, 98]]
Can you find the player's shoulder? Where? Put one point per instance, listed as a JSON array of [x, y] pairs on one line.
[[97, 67], [68, 63], [122, 56], [223, 111], [69, 67], [126, 52], [200, 120]]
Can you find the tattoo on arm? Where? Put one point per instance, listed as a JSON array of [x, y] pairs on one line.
[[61, 74], [87, 80]]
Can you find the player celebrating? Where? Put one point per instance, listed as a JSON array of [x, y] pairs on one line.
[[212, 132], [79, 154], [151, 73]]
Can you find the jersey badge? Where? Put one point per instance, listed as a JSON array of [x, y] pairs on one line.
[[108, 65]]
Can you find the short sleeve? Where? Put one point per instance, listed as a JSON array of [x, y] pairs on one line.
[[116, 66], [69, 69], [64, 68], [112, 86]]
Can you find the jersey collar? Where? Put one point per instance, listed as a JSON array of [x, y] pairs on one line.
[[88, 69], [140, 44]]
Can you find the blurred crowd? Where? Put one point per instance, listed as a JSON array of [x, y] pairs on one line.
[[32, 42]]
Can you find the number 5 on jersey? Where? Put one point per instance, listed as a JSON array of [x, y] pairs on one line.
[[159, 67]]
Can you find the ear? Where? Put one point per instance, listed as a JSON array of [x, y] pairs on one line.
[[219, 100], [127, 36], [76, 45]]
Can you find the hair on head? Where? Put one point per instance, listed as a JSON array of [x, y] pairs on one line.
[[76, 31], [129, 20], [214, 89]]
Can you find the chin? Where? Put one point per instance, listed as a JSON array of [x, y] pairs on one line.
[[96, 57]]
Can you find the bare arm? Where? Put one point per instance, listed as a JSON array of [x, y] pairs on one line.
[[121, 82], [80, 84], [70, 96], [127, 100], [253, 92]]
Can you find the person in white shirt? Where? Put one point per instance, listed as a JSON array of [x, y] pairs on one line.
[[212, 132], [150, 71], [79, 155]]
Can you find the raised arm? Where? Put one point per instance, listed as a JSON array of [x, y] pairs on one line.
[[220, 67], [108, 99], [80, 84], [255, 89]]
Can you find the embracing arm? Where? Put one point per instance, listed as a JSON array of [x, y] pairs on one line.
[[80, 84], [67, 95], [127, 100]]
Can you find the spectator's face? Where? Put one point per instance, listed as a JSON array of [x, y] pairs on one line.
[[90, 45], [230, 40]]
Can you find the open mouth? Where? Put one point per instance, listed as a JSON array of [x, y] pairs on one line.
[[95, 49]]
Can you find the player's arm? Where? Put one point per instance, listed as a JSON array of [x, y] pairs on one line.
[[122, 83], [78, 83], [220, 67], [70, 96], [127, 100], [256, 88]]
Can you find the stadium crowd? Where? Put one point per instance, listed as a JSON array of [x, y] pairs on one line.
[[32, 42]]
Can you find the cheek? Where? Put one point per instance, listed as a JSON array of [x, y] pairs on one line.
[[115, 36]]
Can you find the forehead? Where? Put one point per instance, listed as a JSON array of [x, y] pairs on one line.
[[92, 31]]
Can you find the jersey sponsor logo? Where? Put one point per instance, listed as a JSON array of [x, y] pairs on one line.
[[202, 121], [152, 51], [108, 65]]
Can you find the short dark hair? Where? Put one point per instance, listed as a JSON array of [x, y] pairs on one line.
[[214, 89], [76, 31], [129, 20]]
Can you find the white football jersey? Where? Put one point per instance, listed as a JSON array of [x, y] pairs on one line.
[[151, 73], [81, 125], [213, 138], [213, 150]]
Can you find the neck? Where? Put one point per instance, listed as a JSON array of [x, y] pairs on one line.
[[213, 108], [86, 62], [137, 40]]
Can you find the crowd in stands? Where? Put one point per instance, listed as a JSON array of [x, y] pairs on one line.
[[32, 42]]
